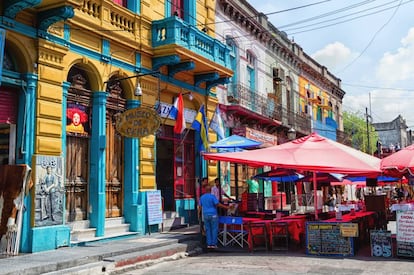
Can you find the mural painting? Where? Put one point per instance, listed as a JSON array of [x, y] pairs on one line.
[[49, 190]]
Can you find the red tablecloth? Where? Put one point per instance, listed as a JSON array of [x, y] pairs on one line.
[[296, 227], [357, 215]]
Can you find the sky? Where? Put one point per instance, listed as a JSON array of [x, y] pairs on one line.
[[369, 45]]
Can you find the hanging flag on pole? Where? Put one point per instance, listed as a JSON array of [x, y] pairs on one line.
[[177, 113], [200, 125], [216, 123]]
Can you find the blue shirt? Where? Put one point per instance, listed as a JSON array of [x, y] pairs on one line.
[[209, 204]]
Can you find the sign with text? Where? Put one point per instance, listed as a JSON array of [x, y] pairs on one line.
[[138, 122], [154, 207], [405, 233], [325, 239], [381, 243], [349, 229]]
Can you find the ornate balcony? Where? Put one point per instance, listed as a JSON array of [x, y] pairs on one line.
[[183, 47]]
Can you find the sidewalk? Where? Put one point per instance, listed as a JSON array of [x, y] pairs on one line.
[[105, 257]]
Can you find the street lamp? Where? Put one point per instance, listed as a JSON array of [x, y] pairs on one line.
[[291, 134]]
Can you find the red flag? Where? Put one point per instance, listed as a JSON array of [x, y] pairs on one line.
[[178, 113]]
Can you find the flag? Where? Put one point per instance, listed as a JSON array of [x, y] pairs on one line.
[[177, 113], [200, 125], [216, 123]]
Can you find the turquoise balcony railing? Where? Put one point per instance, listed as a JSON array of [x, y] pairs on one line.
[[173, 30]]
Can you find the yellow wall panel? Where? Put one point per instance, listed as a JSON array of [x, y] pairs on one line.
[[87, 40], [147, 153], [49, 109], [49, 91], [48, 127], [51, 74], [147, 182], [148, 141], [147, 167], [48, 145]]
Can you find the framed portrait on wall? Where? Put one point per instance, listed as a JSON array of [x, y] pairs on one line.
[[77, 120]]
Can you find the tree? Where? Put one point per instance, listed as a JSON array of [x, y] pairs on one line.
[[355, 128]]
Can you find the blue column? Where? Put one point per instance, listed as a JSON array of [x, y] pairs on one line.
[[25, 148], [97, 203], [131, 176], [65, 88]]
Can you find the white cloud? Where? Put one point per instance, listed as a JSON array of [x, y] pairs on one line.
[[394, 67], [334, 56]]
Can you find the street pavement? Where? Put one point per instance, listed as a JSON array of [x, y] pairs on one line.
[[144, 254], [105, 257]]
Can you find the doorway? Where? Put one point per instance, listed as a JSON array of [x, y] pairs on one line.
[[175, 168]]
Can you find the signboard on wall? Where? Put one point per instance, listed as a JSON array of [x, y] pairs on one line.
[[154, 207], [2, 40]]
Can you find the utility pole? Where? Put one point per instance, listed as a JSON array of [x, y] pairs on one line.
[[367, 119]]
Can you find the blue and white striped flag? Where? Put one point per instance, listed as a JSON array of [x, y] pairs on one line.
[[216, 123]]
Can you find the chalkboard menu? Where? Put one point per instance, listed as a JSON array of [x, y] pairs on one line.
[[325, 239], [381, 243], [405, 233]]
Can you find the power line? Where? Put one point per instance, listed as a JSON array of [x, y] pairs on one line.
[[348, 20], [372, 39], [307, 20]]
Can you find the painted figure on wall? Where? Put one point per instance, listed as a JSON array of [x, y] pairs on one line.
[[49, 191], [77, 118]]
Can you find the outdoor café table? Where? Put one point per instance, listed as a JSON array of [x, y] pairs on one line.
[[296, 227], [365, 220]]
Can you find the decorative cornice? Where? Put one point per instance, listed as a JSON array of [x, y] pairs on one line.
[[205, 77], [183, 66], [220, 81], [158, 62], [13, 7], [49, 17]]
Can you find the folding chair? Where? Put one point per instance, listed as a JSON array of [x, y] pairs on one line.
[[231, 231], [279, 235], [257, 235]]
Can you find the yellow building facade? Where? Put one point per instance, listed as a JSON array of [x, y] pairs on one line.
[[88, 59]]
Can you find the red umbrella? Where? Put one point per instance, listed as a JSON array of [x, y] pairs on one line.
[[310, 153], [399, 163]]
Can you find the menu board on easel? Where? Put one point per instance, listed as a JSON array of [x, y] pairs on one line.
[[325, 239], [405, 233]]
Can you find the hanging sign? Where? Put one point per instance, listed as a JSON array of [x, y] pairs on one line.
[[138, 122]]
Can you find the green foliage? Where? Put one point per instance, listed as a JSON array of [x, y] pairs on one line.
[[355, 128]]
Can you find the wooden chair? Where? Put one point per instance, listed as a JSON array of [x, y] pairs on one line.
[[279, 235], [257, 236]]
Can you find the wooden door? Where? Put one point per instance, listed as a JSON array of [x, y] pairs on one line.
[[114, 169], [77, 146], [76, 186], [114, 152]]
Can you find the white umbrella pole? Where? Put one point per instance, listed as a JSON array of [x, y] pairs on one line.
[[315, 194]]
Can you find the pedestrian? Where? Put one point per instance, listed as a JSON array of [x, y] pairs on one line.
[[218, 191], [208, 206]]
